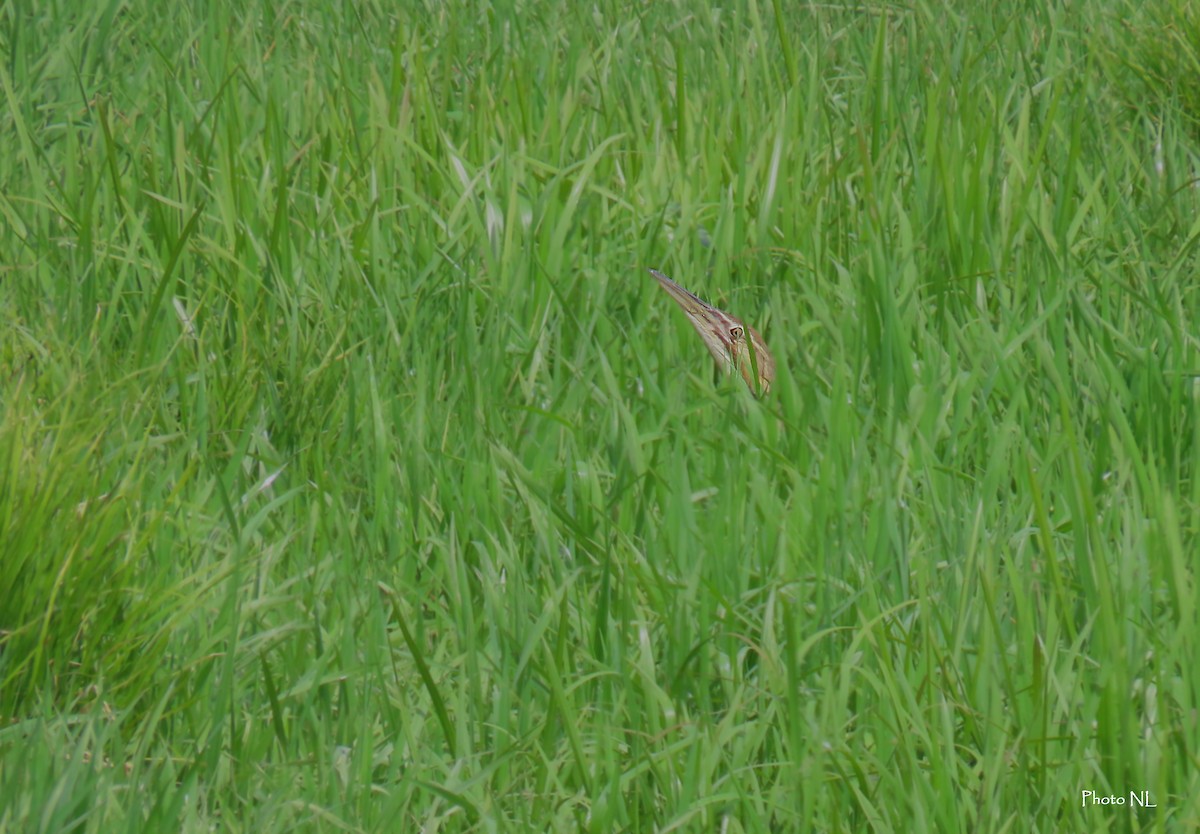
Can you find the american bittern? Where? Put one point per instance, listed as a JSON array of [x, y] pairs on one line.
[[727, 338]]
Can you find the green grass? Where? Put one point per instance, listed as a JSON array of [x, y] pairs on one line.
[[356, 476]]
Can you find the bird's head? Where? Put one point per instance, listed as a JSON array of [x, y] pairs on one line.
[[732, 343]]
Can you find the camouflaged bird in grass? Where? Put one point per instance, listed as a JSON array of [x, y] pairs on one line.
[[732, 343]]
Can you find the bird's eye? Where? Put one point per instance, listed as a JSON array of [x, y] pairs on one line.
[[735, 333]]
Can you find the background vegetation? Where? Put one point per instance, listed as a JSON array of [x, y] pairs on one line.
[[355, 476]]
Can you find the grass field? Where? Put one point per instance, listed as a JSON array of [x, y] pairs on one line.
[[355, 475]]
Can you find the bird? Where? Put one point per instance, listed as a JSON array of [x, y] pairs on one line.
[[733, 344]]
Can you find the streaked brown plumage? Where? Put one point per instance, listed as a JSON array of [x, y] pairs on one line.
[[725, 337]]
